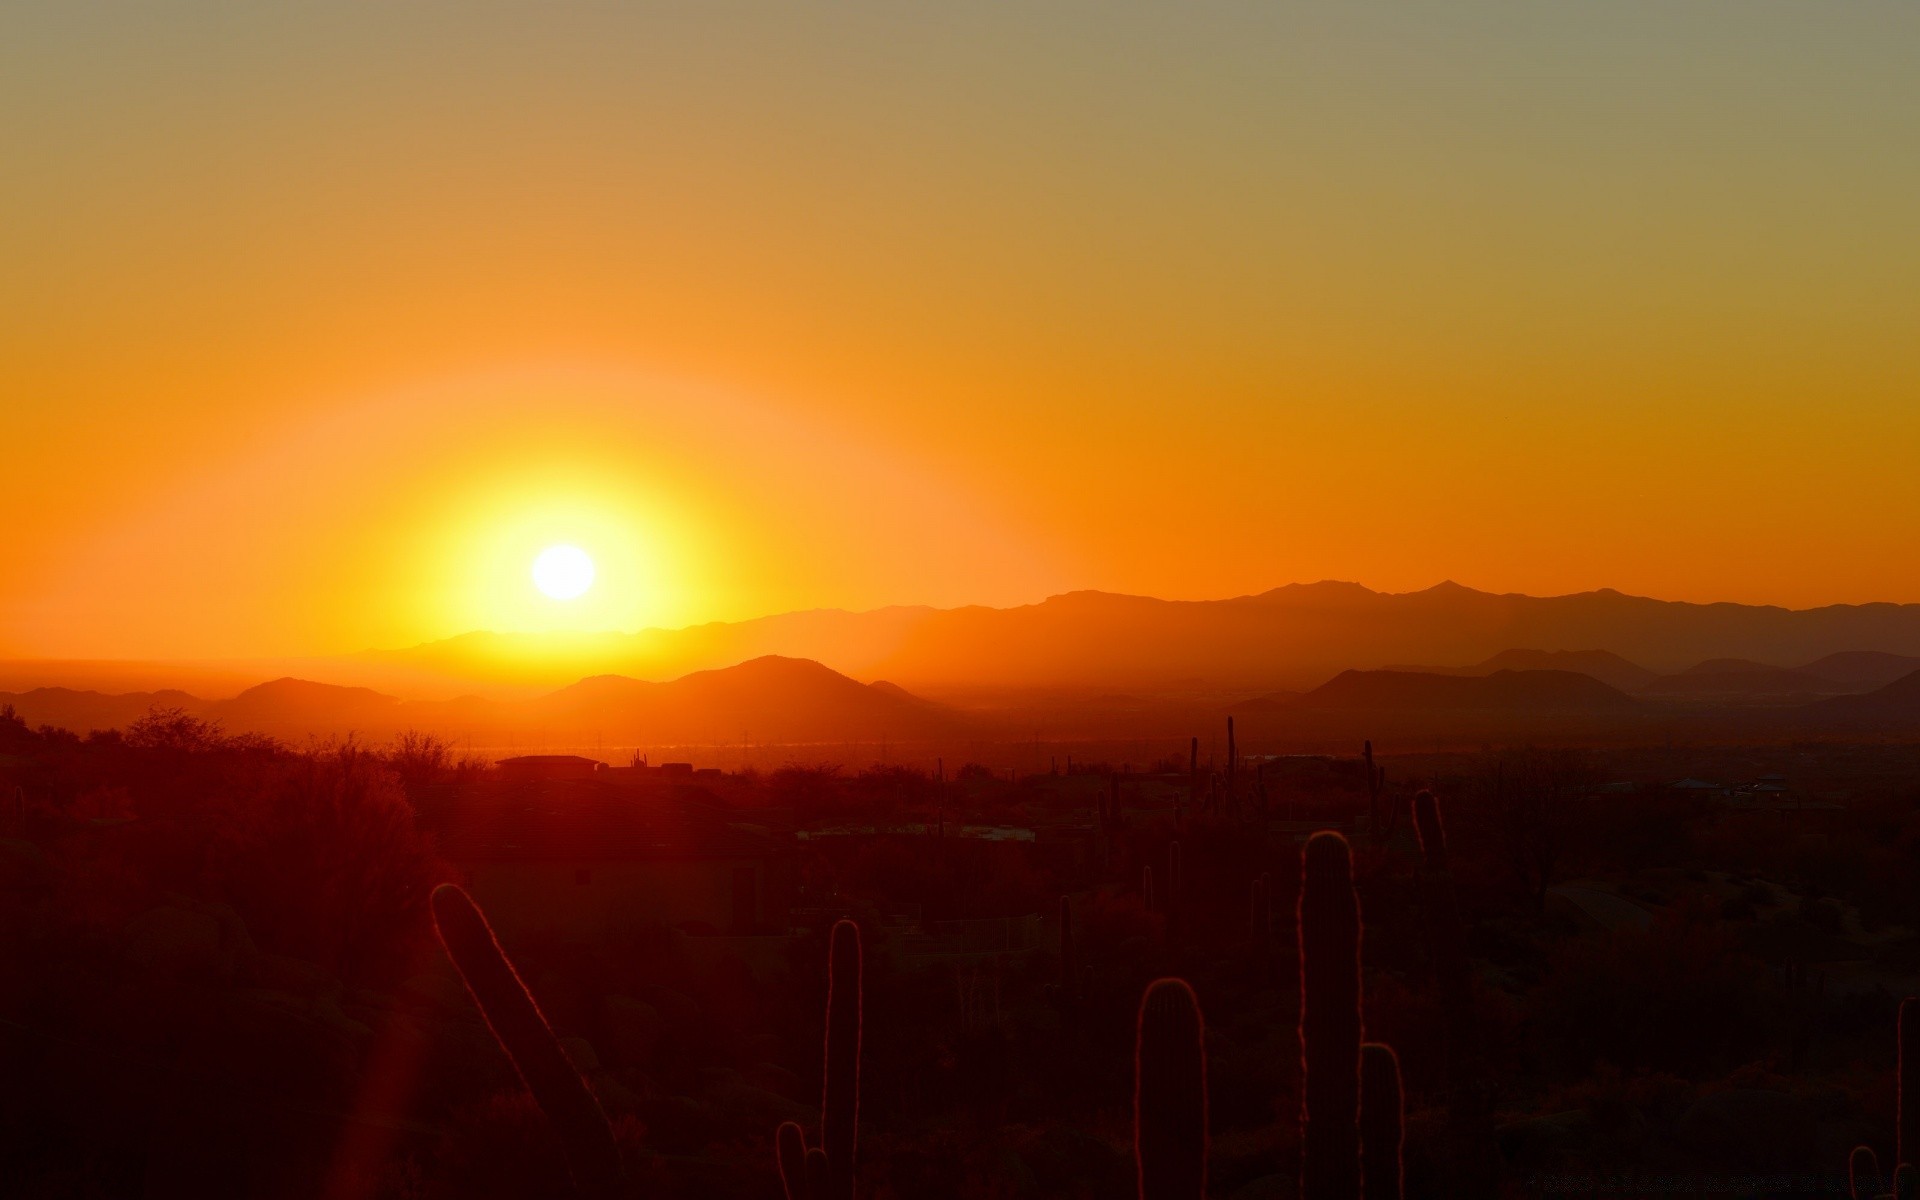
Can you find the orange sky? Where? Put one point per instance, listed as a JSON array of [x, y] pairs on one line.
[[317, 321]]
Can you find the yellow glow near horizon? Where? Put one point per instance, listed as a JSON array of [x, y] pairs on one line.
[[563, 572]]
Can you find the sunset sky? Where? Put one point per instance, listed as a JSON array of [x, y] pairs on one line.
[[319, 320]]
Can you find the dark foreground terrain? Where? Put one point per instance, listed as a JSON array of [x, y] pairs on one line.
[[1638, 971]]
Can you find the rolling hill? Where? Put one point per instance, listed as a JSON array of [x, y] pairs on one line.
[[1525, 693], [1897, 702], [67, 708], [769, 699], [1742, 681], [1604, 665], [1863, 670]]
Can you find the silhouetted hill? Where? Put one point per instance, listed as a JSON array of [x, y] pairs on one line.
[[81, 711], [1604, 665], [1863, 669], [1290, 637], [1899, 700], [1517, 692], [769, 699], [288, 707], [1734, 680]]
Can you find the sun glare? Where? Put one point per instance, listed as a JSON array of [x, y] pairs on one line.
[[563, 572]]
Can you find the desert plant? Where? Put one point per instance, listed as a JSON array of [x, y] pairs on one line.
[[557, 1086], [1329, 917], [1469, 1102], [1068, 991], [1863, 1167], [1381, 1110], [1351, 1100], [826, 1171], [1233, 756], [1170, 1094], [1376, 781], [1445, 935]]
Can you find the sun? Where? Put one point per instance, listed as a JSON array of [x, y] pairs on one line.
[[563, 572]]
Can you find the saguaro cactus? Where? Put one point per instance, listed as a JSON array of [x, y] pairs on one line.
[[1329, 916], [826, 1171], [1071, 980], [1433, 837], [517, 1023], [1066, 942], [1376, 782], [1469, 1110], [1170, 1094], [1381, 1109], [1907, 1114], [1233, 757], [1445, 935]]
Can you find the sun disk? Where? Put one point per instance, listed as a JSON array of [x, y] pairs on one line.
[[563, 572]]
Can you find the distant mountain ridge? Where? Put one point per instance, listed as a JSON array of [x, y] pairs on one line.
[[1607, 667], [1515, 692], [1295, 637], [769, 699]]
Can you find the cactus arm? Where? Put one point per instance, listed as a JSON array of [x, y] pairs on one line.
[[818, 1174], [790, 1151], [1381, 1120], [516, 1022], [1907, 1114], [840, 1096]]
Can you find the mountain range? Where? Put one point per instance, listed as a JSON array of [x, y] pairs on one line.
[[1293, 637], [1300, 658], [770, 699]]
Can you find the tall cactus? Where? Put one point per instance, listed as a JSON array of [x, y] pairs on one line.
[[1433, 837], [1907, 1112], [1381, 1113], [1170, 1094], [1068, 991], [1469, 1098], [1329, 916], [1376, 782], [1066, 943], [826, 1171], [517, 1023], [1444, 931], [1233, 757]]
